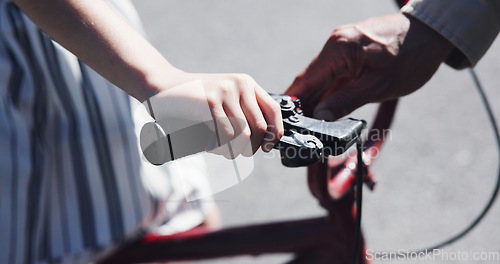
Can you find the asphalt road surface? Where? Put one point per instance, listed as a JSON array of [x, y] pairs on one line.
[[436, 172]]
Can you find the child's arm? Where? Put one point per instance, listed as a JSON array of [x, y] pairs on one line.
[[98, 36]]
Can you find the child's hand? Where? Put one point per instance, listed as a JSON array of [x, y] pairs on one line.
[[233, 105]]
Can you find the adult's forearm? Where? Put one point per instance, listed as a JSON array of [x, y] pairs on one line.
[[98, 36], [471, 25]]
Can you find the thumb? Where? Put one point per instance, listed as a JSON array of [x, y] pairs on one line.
[[340, 103]]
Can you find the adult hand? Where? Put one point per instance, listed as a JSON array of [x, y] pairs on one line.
[[232, 105], [371, 61]]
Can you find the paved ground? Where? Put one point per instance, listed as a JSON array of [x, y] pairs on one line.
[[437, 171]]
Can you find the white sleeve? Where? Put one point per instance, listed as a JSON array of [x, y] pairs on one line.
[[470, 25]]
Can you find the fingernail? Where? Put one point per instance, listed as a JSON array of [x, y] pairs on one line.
[[324, 115]]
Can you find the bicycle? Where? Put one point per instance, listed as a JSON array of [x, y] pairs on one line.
[[200, 243], [316, 240]]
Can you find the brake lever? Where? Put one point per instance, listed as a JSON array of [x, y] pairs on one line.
[[307, 140]]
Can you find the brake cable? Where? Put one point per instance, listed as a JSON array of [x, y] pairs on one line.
[[359, 201], [475, 222]]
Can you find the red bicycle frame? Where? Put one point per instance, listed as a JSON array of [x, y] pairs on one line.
[[327, 239]]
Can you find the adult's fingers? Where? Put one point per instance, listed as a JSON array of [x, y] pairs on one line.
[[343, 101], [312, 81]]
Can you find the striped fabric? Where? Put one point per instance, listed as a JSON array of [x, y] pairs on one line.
[[70, 168]]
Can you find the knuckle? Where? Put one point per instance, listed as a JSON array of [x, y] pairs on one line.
[[346, 37], [226, 88], [337, 36], [212, 100], [261, 126], [275, 106], [347, 44], [247, 133], [243, 77], [244, 81], [345, 49], [229, 132]]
